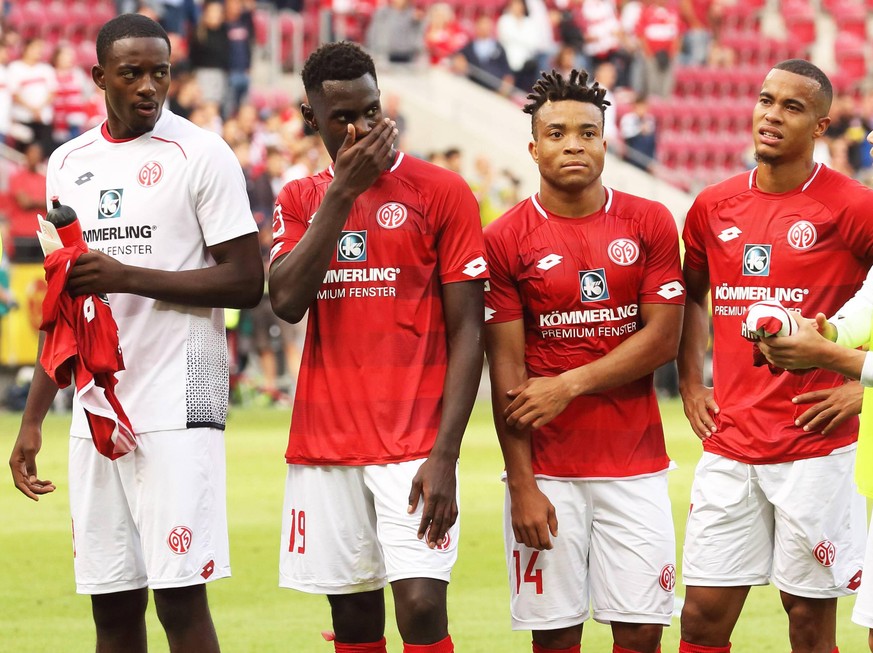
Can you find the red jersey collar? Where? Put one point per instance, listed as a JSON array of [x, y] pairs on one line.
[[536, 203], [753, 177]]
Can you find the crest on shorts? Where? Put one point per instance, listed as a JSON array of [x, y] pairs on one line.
[[825, 553], [667, 578], [623, 251], [179, 540], [391, 215]]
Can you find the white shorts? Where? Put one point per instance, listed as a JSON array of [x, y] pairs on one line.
[[346, 530], [155, 517], [862, 614], [801, 524], [615, 550]]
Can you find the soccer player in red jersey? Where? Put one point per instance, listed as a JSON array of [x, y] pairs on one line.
[[386, 253], [585, 302], [773, 497]]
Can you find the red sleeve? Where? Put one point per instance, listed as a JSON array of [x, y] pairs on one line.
[[502, 299], [692, 236], [855, 224], [460, 245], [289, 221], [662, 283]]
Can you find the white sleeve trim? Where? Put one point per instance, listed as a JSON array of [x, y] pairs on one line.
[[867, 371]]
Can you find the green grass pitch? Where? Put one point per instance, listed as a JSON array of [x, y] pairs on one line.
[[40, 612]]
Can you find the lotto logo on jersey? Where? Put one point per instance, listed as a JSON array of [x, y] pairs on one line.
[[391, 215], [592, 285], [802, 235], [756, 261], [352, 247], [623, 251], [179, 540], [109, 205], [667, 578], [825, 553]]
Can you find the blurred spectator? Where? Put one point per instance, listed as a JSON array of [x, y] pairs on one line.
[[569, 35], [71, 98], [604, 36], [453, 160], [443, 34], [33, 84], [659, 34], [26, 199], [391, 108], [521, 36], [565, 60], [241, 35], [209, 52], [605, 75], [697, 39], [638, 132], [5, 93], [396, 32], [184, 96], [495, 191], [483, 60], [177, 16]]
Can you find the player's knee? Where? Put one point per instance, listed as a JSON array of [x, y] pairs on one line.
[[181, 608], [638, 637], [697, 621], [119, 610], [421, 611]]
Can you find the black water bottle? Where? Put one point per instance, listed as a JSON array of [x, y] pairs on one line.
[[66, 221]]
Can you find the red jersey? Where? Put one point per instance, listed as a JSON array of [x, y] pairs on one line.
[[809, 248], [82, 342], [578, 284], [374, 361], [659, 27]]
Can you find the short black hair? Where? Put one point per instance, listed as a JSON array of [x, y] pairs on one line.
[[552, 87], [813, 72], [342, 60], [127, 26]]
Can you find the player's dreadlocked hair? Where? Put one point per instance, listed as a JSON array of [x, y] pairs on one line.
[[552, 87], [127, 26], [343, 60], [813, 72]]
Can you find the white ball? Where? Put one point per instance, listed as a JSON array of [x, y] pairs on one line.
[[766, 319]]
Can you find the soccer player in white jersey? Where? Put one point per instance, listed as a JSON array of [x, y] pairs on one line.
[[585, 302], [164, 210], [773, 497], [385, 251]]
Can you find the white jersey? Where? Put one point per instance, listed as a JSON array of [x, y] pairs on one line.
[[158, 201], [34, 84]]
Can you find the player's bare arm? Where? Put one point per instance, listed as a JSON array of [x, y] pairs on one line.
[[532, 515], [538, 401], [697, 400], [296, 277], [235, 281], [435, 482], [22, 462]]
